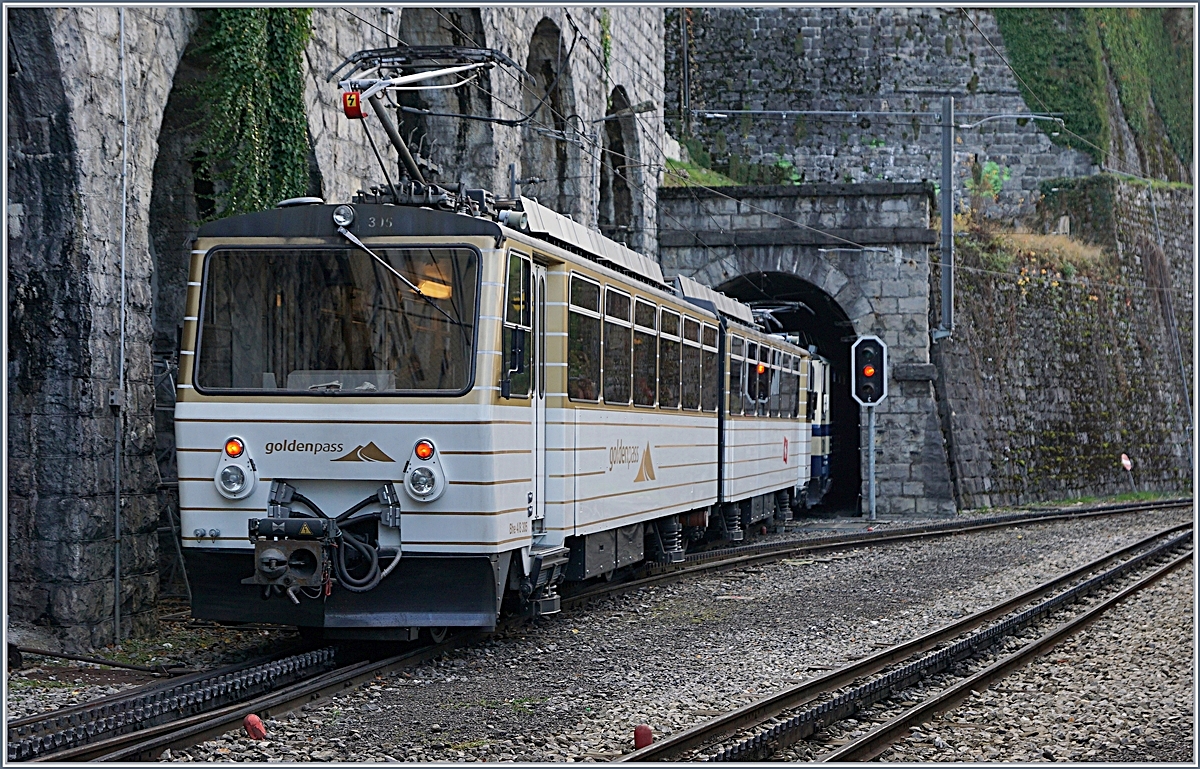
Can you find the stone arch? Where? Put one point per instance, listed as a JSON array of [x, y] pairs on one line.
[[463, 149], [546, 151], [180, 199], [805, 308], [620, 215]]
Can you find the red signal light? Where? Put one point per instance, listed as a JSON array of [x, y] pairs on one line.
[[424, 449], [234, 447], [868, 370], [761, 368]]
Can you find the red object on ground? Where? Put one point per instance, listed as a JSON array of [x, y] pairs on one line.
[[642, 736], [254, 727]]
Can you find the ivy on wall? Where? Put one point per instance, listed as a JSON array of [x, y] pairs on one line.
[[1064, 56], [254, 146]]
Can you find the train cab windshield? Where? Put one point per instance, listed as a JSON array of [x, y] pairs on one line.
[[335, 320]]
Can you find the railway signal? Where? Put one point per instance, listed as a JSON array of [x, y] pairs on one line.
[[868, 385], [868, 363]]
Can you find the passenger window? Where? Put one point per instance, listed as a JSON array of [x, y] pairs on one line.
[[709, 389], [736, 364], [692, 373], [583, 341], [645, 354], [787, 389], [751, 392], [618, 347], [516, 338], [669, 362], [776, 380]]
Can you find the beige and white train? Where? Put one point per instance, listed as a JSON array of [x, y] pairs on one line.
[[392, 417]]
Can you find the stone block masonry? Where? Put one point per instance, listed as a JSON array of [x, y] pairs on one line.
[[858, 60], [1050, 377]]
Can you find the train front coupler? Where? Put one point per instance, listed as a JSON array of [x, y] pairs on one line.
[[295, 552]]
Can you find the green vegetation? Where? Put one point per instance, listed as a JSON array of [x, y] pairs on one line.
[[1063, 56], [680, 174], [606, 37], [1057, 53], [254, 122]]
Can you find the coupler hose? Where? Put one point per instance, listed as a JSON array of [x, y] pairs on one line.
[[371, 554]]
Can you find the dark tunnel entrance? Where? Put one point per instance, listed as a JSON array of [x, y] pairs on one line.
[[803, 309]]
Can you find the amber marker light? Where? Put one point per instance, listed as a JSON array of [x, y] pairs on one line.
[[234, 447], [761, 368], [868, 370], [424, 449]]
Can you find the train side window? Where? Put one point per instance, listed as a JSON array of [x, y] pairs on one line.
[[787, 388], [645, 354], [736, 364], [517, 337], [776, 381], [764, 381], [691, 364], [751, 392], [583, 341], [618, 347], [708, 362], [668, 361]]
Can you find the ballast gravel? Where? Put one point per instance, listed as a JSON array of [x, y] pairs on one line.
[[574, 686], [1120, 691]]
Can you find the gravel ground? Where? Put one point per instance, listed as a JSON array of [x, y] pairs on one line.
[[1120, 691], [48, 683], [573, 687]]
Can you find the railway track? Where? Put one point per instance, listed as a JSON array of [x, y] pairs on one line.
[[140, 724], [759, 730], [748, 555]]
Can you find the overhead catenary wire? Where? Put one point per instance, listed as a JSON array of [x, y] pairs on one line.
[[716, 191]]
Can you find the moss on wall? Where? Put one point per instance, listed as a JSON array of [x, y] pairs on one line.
[[1062, 56]]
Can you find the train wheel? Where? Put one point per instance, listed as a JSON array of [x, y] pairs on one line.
[[438, 634]]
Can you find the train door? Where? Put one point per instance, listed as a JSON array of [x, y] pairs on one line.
[[539, 399]]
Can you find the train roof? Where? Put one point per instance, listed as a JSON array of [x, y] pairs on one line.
[[316, 220]]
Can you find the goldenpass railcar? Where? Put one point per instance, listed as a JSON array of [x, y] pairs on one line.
[[393, 417]]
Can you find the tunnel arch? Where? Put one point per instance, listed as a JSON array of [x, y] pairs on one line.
[[801, 308], [546, 151]]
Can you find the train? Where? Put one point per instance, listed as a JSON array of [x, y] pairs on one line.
[[427, 407]]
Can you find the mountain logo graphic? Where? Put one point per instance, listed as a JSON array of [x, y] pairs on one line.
[[368, 453], [646, 469]]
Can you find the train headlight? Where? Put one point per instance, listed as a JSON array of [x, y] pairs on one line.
[[422, 481], [343, 216], [424, 477], [236, 474], [232, 479]]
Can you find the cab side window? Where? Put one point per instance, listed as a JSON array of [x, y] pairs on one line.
[[517, 336]]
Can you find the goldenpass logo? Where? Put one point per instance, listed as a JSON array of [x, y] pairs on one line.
[[623, 455], [301, 447]]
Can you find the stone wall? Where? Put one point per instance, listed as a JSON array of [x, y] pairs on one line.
[[65, 142], [866, 247], [858, 60], [1050, 377]]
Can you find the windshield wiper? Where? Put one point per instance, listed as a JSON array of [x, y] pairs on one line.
[[393, 270], [330, 386]]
